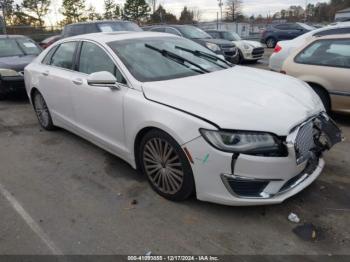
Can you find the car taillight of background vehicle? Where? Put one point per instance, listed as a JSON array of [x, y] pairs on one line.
[[278, 48]]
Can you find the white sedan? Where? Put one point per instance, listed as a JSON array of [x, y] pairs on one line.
[[191, 122]]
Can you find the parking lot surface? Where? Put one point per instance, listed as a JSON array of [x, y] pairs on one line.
[[61, 194]]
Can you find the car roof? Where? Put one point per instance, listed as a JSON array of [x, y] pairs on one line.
[[339, 36], [99, 22], [117, 36], [12, 36]]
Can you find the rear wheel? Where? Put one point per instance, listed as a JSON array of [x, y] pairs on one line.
[[271, 42], [42, 111], [166, 166]]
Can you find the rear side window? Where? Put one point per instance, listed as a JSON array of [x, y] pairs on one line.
[[335, 31], [64, 55], [331, 52], [94, 59]]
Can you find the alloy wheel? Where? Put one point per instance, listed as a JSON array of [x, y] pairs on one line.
[[270, 43], [41, 110], [163, 166]]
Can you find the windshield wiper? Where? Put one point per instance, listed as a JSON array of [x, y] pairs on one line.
[[179, 59], [206, 56]]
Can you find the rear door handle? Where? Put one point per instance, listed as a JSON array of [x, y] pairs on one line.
[[46, 73], [78, 81]]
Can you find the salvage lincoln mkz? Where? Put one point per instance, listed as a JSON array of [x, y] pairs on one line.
[[187, 119]]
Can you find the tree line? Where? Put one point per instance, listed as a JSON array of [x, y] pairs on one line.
[[35, 12], [314, 13]]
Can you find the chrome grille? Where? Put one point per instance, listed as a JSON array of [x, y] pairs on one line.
[[304, 142]]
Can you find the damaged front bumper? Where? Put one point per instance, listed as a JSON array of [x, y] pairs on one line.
[[255, 180]]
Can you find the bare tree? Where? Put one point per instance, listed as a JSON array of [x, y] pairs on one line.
[[234, 9], [197, 14]]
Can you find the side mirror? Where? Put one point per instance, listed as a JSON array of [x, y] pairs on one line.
[[104, 79]]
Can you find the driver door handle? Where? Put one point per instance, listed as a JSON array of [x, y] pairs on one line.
[[78, 81], [46, 73]]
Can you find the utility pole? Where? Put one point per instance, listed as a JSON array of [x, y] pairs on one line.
[[221, 4], [3, 7], [306, 14]]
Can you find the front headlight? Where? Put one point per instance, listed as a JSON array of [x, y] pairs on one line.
[[245, 142], [8, 72], [213, 47]]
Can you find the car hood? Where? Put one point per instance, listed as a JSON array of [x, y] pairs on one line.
[[17, 63], [240, 98], [241, 43]]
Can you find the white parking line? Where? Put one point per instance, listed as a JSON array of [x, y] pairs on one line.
[[30, 221]]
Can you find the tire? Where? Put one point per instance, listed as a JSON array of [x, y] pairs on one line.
[[42, 112], [324, 96], [166, 166], [271, 42], [240, 58]]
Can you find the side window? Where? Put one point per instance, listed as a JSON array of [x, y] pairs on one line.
[[47, 58], [214, 34], [90, 28], [335, 31], [158, 29], [77, 30], [172, 31], [64, 55], [335, 53], [281, 27], [94, 59]]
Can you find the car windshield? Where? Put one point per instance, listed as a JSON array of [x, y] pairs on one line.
[[307, 27], [119, 26], [18, 47], [230, 36], [146, 62], [193, 32]]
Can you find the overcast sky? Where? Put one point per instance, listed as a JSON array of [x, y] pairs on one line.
[[209, 8]]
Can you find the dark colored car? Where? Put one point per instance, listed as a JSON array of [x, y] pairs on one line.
[[286, 31], [99, 26], [218, 46], [16, 52], [49, 41]]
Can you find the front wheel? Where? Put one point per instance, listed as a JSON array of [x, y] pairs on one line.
[[166, 166], [42, 112], [271, 42]]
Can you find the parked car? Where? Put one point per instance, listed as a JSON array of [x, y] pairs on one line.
[[284, 48], [16, 52], [286, 31], [220, 47], [99, 26], [248, 50], [324, 63], [192, 124], [49, 41]]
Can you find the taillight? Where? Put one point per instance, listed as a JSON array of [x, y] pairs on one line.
[[278, 48]]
